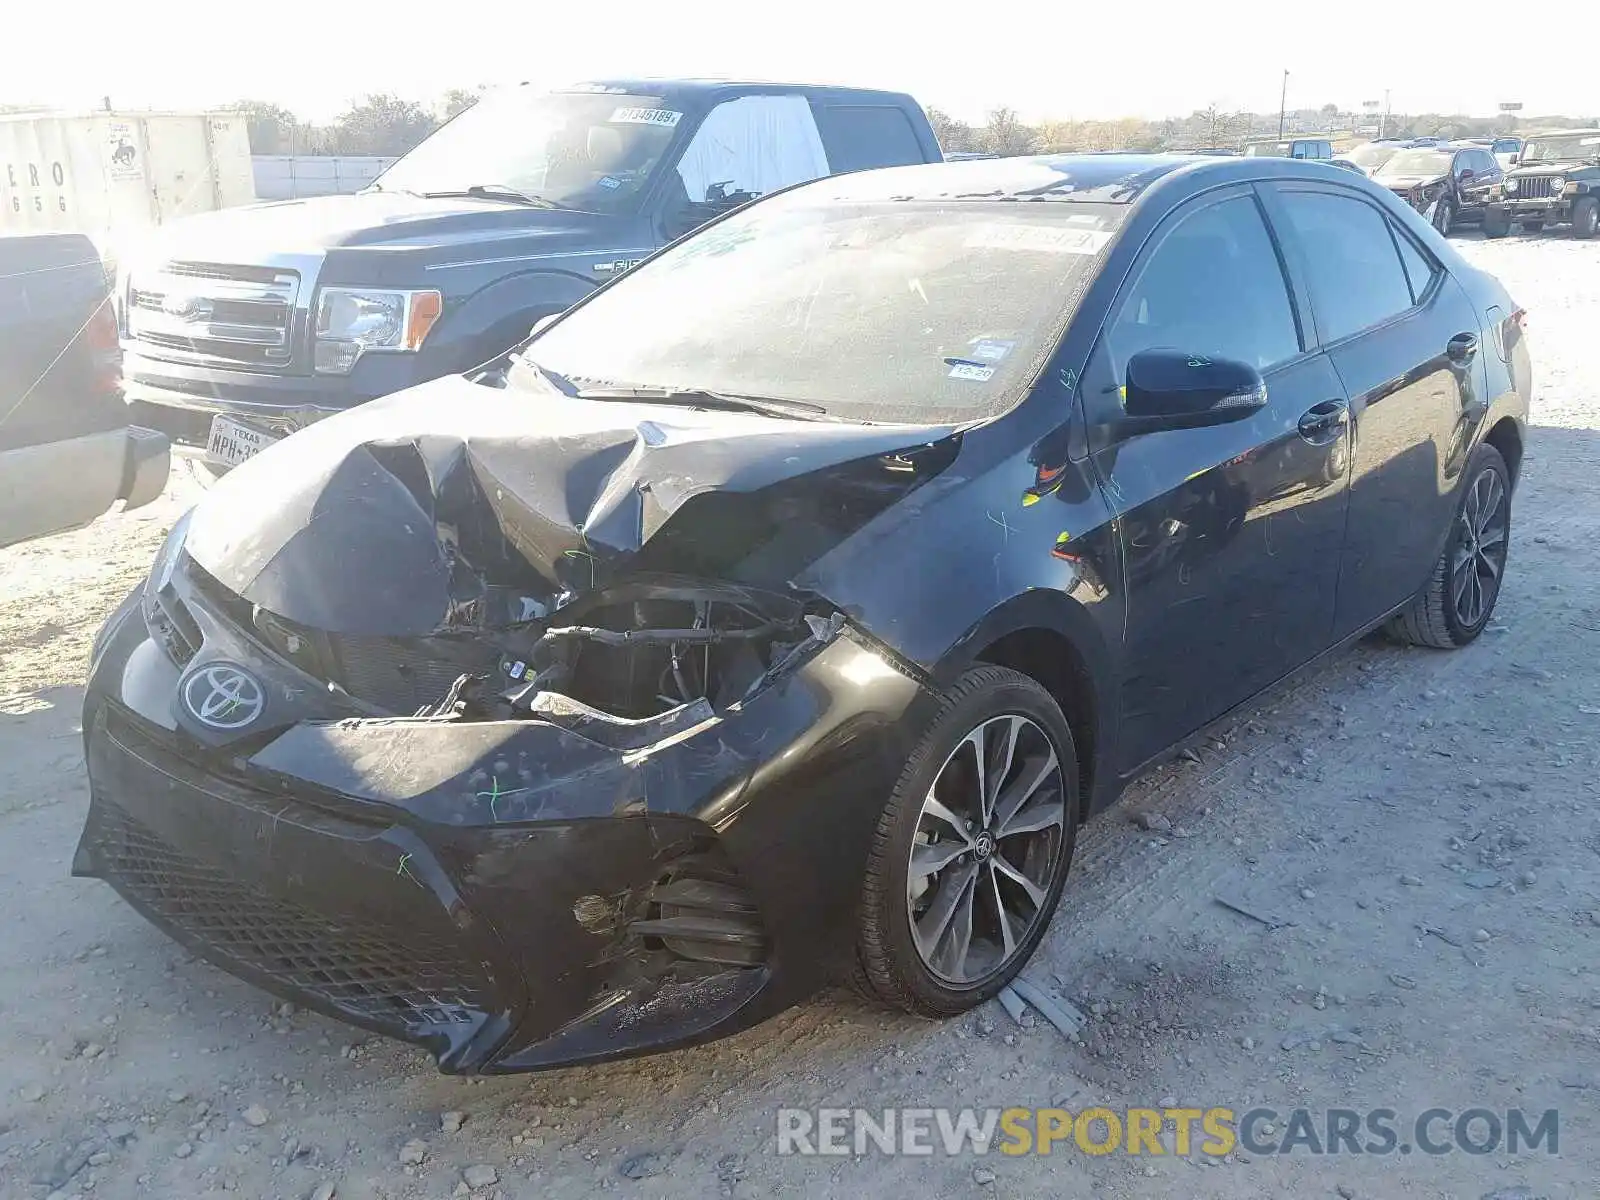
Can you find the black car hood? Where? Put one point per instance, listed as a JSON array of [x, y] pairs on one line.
[[1404, 183], [390, 220], [455, 504]]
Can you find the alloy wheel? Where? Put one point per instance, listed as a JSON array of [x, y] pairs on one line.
[[988, 843], [1481, 544], [1442, 217]]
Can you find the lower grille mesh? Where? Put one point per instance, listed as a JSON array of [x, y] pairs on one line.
[[361, 971]]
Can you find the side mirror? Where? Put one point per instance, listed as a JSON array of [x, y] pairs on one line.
[[1169, 389], [1466, 174], [1514, 159]]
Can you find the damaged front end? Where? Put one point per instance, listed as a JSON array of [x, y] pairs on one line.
[[430, 754]]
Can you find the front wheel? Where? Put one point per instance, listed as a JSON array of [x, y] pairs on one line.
[[1460, 595], [1444, 216], [972, 850], [1585, 217], [1496, 223]]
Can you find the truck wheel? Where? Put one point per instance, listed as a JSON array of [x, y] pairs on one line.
[[1444, 216], [1585, 217], [1496, 223]]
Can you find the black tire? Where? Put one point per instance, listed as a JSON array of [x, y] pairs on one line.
[[888, 968], [1444, 216], [1496, 222], [1585, 217], [1435, 617]]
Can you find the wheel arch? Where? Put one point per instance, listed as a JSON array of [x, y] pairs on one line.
[[496, 317], [1506, 437]]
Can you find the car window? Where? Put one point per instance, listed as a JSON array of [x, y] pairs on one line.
[[750, 146], [1352, 266], [859, 137], [1487, 162], [1419, 265], [1213, 286], [1324, 149]]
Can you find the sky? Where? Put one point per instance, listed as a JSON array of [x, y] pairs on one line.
[[1067, 60]]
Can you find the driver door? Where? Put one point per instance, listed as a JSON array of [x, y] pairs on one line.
[[1232, 534]]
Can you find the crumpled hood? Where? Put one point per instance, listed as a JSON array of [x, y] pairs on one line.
[[1404, 183], [388, 519], [386, 219]]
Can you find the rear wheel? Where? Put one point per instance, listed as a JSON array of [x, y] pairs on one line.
[[1496, 223], [1460, 595], [1585, 217], [972, 849]]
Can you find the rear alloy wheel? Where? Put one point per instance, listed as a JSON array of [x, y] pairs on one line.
[[972, 850], [1585, 217], [1444, 215], [1460, 596]]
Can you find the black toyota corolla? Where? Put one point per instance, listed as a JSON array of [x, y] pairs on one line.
[[782, 609]]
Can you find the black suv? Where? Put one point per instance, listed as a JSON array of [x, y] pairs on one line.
[[1449, 185], [1556, 181]]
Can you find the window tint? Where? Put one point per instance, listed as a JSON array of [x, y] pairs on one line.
[[1487, 162], [1213, 286], [1420, 269], [860, 137], [1352, 266]]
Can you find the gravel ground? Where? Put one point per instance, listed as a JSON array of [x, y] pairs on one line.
[[1420, 827]]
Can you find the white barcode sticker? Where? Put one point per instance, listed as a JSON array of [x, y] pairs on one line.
[[646, 116]]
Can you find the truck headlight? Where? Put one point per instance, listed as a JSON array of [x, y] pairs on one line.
[[1511, 187], [1556, 184], [353, 321]]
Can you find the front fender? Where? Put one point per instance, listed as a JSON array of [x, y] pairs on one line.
[[496, 317]]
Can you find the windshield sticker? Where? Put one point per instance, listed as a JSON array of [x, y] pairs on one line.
[[973, 371], [664, 117], [1594, 141], [1038, 239], [609, 182], [991, 349]]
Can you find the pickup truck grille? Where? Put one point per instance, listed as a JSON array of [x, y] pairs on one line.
[[1535, 187], [237, 316]]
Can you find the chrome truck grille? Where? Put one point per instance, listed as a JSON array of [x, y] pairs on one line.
[[1535, 187], [235, 316]]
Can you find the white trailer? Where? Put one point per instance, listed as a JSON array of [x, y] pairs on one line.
[[112, 175], [293, 176]]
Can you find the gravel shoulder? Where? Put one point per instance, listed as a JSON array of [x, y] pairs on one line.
[[1420, 827]]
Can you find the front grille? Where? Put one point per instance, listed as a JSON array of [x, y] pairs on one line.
[[401, 675], [204, 312], [1536, 187], [362, 971]]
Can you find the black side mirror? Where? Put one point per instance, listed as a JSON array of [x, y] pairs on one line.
[[1169, 389], [1514, 159], [1467, 173]]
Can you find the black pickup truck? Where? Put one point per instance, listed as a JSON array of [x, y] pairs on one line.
[[241, 326], [67, 453]]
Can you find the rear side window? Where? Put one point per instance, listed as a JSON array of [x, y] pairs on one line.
[[1213, 286], [859, 137], [1354, 271], [1420, 268]]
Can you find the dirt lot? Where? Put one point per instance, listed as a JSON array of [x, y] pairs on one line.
[[1423, 824]]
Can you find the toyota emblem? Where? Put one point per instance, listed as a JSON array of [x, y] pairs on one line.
[[223, 696]]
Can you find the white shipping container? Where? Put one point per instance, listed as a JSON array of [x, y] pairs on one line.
[[111, 175], [293, 176]]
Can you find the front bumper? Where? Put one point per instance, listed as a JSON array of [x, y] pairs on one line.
[[510, 895], [1551, 210]]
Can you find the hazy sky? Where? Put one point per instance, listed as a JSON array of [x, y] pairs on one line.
[[1057, 59]]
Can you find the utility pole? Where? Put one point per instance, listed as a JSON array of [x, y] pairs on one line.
[[1384, 120], [1283, 103]]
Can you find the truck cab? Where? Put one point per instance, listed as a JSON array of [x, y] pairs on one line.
[[241, 326]]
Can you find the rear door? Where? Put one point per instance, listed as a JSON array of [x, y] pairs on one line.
[[1404, 338], [1231, 535]]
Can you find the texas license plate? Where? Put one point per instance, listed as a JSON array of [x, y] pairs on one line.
[[231, 442]]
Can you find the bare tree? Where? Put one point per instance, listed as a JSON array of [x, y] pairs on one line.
[[457, 100], [1004, 133], [955, 137]]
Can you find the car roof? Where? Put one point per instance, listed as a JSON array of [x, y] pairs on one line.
[[1092, 178], [712, 90]]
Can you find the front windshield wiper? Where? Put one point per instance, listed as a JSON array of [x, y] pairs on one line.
[[554, 378], [700, 398], [499, 191]]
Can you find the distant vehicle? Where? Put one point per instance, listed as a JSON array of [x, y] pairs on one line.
[[968, 155], [1556, 182], [241, 327], [1447, 184], [67, 453], [1301, 147], [1369, 157], [1346, 164]]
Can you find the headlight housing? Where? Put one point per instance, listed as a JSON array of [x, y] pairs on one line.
[[1556, 184], [1511, 187], [353, 321]]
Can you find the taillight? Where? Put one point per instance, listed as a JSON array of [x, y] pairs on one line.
[[100, 336]]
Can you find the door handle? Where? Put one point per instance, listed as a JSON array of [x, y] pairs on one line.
[[1461, 348], [1322, 422]]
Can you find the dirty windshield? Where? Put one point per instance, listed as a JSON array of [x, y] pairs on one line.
[[574, 150], [1576, 147], [1415, 162], [886, 310]]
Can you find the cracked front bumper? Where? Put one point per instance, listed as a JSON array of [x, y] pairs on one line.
[[495, 891]]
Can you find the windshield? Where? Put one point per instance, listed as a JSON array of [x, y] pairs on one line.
[[1417, 162], [1268, 149], [875, 310], [577, 150], [1568, 148], [1371, 156]]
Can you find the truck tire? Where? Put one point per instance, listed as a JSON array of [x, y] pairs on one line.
[[1585, 216], [1496, 222], [1444, 216]]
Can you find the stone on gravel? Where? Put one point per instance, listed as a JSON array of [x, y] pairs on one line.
[[451, 1122], [323, 1191], [1411, 880], [413, 1152], [33, 1093], [183, 1151], [481, 1176], [982, 1176], [255, 1116], [1152, 822], [643, 1166], [1346, 1192]]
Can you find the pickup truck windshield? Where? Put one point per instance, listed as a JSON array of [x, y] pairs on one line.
[[876, 310], [1577, 147], [575, 150]]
